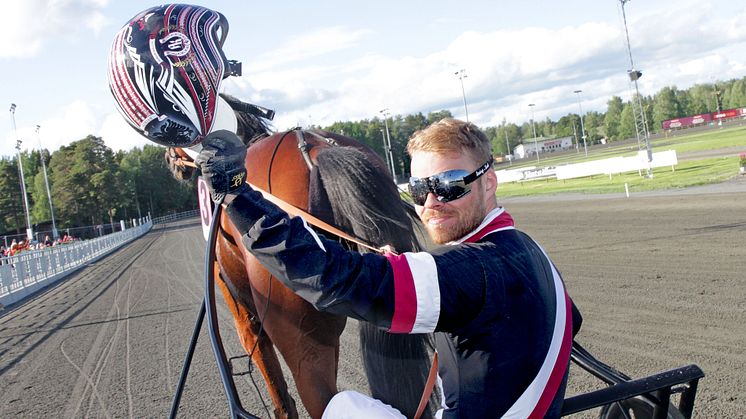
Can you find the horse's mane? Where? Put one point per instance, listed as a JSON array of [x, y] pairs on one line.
[[365, 202], [251, 127]]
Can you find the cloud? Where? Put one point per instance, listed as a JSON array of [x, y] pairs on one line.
[[506, 69], [118, 135], [312, 44], [74, 122], [29, 24]]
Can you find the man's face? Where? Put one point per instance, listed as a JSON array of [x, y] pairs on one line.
[[449, 221]]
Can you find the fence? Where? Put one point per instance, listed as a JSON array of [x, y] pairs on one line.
[[175, 217], [84, 232], [24, 274]]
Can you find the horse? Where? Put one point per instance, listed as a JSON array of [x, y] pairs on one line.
[[344, 183]]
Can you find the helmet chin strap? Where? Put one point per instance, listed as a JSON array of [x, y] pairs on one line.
[[225, 119]]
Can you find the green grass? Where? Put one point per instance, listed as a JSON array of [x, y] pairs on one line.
[[688, 173], [682, 143], [730, 137]]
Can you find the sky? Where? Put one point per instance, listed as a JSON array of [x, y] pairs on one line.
[[319, 62]]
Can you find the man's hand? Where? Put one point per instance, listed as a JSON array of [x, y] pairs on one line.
[[222, 163]]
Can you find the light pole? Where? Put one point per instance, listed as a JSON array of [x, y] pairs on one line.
[[533, 129], [55, 235], [387, 151], [641, 124], [582, 127], [461, 74], [29, 229]]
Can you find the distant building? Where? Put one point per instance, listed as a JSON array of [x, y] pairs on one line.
[[544, 145]]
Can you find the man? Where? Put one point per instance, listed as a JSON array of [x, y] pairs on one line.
[[498, 300]]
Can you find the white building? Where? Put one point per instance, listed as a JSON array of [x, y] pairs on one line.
[[544, 145]]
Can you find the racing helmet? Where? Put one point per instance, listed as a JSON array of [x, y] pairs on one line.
[[165, 68]]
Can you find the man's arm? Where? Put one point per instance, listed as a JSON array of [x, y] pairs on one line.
[[401, 293]]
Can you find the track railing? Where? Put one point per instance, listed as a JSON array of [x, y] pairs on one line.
[[175, 217], [24, 274]]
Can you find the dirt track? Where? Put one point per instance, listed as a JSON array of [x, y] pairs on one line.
[[658, 278]]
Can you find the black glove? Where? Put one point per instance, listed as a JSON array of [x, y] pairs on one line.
[[222, 162]]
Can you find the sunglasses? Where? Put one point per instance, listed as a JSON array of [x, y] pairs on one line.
[[446, 186]]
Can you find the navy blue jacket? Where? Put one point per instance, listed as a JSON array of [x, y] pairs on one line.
[[498, 300]]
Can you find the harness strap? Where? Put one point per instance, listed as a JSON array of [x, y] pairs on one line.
[[316, 222], [297, 212], [428, 390], [304, 147]]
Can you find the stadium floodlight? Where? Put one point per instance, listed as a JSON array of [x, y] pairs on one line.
[[29, 227], [582, 127], [641, 124], [461, 74], [387, 145]]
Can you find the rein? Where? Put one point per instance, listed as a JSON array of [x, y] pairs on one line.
[[298, 212]]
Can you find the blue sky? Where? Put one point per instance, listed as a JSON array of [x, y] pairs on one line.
[[325, 61]]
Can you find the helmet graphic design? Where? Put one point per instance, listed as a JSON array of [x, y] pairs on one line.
[[165, 68]]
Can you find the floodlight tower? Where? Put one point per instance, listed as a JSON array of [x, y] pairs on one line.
[[461, 74], [582, 127], [387, 150], [29, 227], [641, 124]]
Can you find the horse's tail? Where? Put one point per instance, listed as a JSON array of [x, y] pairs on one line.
[[365, 202]]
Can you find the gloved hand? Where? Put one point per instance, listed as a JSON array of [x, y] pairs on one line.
[[222, 163]]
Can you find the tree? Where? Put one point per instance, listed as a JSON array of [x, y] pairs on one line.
[[85, 182], [612, 118], [594, 127], [700, 99], [666, 106], [12, 217], [40, 209], [735, 95], [437, 116], [627, 123]]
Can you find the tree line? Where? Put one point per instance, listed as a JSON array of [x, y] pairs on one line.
[[90, 185], [617, 123]]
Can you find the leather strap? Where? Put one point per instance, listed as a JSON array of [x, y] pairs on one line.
[[297, 212], [428, 387], [316, 222]]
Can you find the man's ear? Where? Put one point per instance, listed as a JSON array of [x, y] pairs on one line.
[[490, 181]]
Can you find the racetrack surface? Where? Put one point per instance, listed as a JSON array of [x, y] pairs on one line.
[[110, 340], [658, 277]]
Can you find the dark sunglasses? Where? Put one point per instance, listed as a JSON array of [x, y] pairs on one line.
[[446, 186]]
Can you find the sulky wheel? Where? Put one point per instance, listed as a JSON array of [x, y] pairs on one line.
[[635, 408]]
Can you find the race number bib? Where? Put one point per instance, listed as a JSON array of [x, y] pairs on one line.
[[205, 206]]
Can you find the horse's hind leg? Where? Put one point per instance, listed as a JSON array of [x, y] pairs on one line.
[[237, 295]]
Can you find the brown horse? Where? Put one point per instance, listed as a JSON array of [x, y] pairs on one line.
[[340, 181]]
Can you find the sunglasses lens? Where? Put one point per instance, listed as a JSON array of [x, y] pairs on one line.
[[418, 189], [450, 193], [449, 186]]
